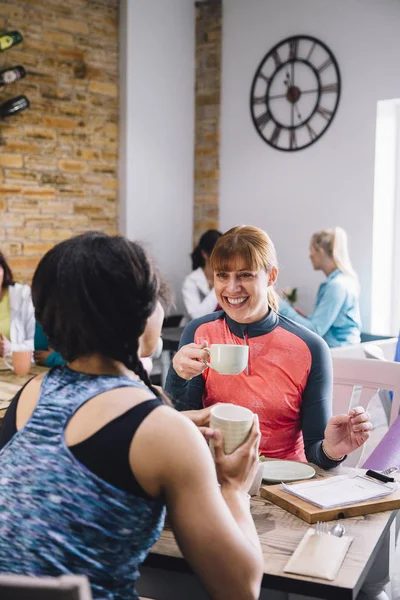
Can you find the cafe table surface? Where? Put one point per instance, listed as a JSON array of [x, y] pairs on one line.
[[166, 575]]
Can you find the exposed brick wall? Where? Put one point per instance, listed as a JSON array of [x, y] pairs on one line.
[[58, 159], [208, 80]]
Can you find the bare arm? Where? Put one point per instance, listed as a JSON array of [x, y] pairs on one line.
[[214, 530]]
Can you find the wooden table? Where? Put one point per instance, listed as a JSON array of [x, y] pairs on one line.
[[10, 384], [167, 576]]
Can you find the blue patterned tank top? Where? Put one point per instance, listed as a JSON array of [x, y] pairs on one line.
[[56, 516]]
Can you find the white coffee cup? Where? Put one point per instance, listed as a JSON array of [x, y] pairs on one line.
[[227, 359], [235, 423]]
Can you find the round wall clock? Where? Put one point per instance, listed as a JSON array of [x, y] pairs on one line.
[[295, 93]]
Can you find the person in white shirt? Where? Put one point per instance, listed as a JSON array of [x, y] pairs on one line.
[[198, 288], [17, 319]]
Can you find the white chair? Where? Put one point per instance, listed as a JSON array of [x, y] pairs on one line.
[[66, 587], [386, 348], [357, 380], [382, 349], [354, 351]]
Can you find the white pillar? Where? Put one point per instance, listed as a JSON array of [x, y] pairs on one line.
[[157, 49]]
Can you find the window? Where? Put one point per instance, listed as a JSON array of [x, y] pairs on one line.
[[385, 305]]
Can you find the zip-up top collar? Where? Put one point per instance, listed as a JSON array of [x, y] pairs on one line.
[[265, 325]]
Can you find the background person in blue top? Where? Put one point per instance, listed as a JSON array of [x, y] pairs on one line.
[[336, 315], [44, 355]]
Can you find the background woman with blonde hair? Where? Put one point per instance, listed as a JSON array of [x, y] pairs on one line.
[[288, 380], [336, 315]]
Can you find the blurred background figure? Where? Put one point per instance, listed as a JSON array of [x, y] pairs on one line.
[[17, 321], [43, 354], [198, 288], [336, 315]]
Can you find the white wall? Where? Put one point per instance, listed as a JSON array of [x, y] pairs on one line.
[[157, 129], [291, 195]]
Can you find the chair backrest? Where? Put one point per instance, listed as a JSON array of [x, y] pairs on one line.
[[387, 348], [67, 587], [382, 349], [354, 351], [356, 380]]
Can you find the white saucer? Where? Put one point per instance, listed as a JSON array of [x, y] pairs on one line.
[[286, 470]]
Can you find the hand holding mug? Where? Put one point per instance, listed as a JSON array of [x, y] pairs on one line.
[[227, 359], [201, 418], [188, 361], [239, 469]]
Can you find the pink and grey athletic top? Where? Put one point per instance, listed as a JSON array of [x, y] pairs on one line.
[[288, 382]]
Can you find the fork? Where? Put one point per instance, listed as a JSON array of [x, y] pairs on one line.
[[321, 528]]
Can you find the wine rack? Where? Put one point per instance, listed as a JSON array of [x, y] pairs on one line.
[[10, 75]]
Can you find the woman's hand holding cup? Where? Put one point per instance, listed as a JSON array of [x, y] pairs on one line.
[[237, 470], [188, 361]]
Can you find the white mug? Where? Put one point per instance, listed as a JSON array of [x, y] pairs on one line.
[[235, 423], [227, 359]]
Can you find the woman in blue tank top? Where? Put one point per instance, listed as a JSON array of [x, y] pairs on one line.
[[90, 453]]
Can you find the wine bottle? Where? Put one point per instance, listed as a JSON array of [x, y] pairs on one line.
[[12, 74], [11, 38], [14, 105]]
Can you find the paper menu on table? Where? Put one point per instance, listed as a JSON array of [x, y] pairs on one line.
[[341, 490]]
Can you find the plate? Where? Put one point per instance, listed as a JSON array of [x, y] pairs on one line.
[[286, 470]]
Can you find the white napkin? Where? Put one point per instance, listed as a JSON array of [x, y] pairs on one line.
[[318, 555]]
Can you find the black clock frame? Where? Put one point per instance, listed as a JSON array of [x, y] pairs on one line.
[[269, 54]]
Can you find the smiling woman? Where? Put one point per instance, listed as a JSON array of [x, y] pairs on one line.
[[288, 380], [245, 270]]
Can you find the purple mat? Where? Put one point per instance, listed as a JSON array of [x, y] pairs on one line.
[[387, 452]]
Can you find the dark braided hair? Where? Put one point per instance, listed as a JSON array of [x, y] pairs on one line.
[[93, 294]]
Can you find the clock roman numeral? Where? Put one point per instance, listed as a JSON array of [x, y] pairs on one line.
[[293, 140], [260, 100], [276, 58], [325, 64], [310, 52], [324, 112], [311, 131], [266, 79], [275, 136], [263, 119], [330, 87], [293, 48]]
